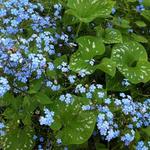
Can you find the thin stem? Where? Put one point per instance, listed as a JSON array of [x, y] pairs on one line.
[[79, 27]]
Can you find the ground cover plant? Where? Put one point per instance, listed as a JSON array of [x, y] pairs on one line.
[[74, 74]]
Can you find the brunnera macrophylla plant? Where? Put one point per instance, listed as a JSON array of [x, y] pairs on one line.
[[74, 74]]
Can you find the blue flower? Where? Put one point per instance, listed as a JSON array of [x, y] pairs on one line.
[[113, 11], [71, 78], [140, 8], [128, 138], [86, 107], [4, 86], [101, 94], [59, 141], [66, 98], [48, 119]]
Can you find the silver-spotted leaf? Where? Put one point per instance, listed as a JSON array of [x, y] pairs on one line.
[[112, 36], [131, 60], [17, 138], [89, 47], [108, 66], [78, 64], [88, 10], [77, 125]]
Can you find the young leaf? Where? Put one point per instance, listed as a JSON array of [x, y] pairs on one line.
[[140, 23]]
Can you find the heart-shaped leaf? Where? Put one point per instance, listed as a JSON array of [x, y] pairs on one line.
[[88, 10], [89, 47], [112, 36], [77, 125], [108, 66], [131, 60], [78, 64]]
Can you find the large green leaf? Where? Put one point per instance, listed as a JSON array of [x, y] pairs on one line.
[[131, 60], [88, 10], [78, 63], [112, 36], [89, 47], [108, 66], [17, 138], [77, 125]]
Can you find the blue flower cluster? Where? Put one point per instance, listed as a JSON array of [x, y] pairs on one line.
[[64, 67], [4, 86], [54, 86], [106, 125], [66, 98], [48, 119], [142, 146], [140, 7], [135, 114], [26, 45], [2, 126]]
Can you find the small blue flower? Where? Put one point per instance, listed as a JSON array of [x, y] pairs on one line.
[[113, 11], [86, 107], [4, 86], [59, 141], [101, 94], [71, 78], [140, 8], [48, 119]]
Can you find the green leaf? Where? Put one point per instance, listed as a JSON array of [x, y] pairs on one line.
[[77, 125], [42, 98], [131, 1], [77, 64], [131, 60], [89, 47], [146, 14], [35, 86], [123, 23], [137, 135], [17, 138], [88, 10], [112, 36], [139, 38], [115, 83], [58, 61], [108, 66], [140, 23], [147, 131], [146, 3], [69, 20]]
